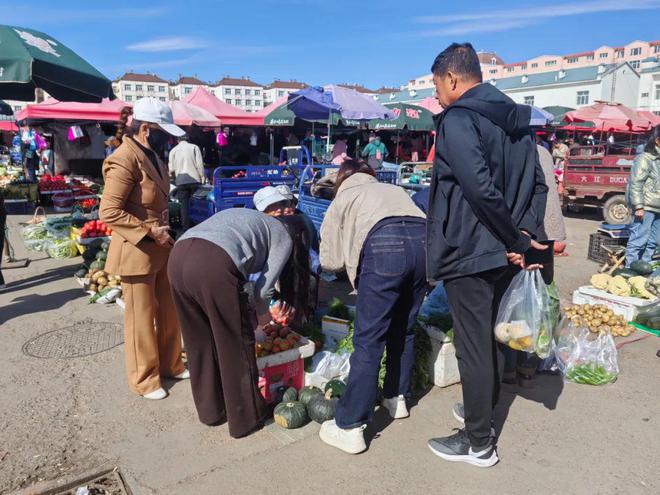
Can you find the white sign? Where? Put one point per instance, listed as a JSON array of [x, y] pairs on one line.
[[46, 46]]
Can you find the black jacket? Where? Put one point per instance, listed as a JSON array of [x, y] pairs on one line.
[[487, 185]]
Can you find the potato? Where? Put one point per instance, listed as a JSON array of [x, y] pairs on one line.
[[102, 281]]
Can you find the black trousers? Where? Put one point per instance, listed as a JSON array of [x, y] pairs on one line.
[[184, 193], [474, 301], [3, 223]]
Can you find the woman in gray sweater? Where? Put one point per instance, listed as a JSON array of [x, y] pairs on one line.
[[208, 268]]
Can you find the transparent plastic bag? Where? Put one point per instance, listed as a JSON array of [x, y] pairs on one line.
[[584, 357], [330, 365], [524, 320], [61, 248]]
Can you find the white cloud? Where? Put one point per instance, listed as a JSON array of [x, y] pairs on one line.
[[505, 19], [167, 44]]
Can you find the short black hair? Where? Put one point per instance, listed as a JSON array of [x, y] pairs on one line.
[[650, 144], [459, 58]]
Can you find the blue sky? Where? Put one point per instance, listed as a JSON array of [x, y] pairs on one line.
[[384, 42]]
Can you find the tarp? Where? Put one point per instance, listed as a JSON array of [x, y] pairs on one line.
[[8, 126], [186, 114], [431, 104], [228, 114], [51, 109], [653, 118], [609, 117]]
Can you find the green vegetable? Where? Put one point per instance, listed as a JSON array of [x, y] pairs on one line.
[[105, 246], [590, 374], [338, 387], [290, 395], [322, 407], [101, 255], [90, 254], [290, 415], [339, 310], [641, 267], [96, 244], [81, 273], [421, 378], [625, 273], [308, 393], [97, 265], [62, 248]]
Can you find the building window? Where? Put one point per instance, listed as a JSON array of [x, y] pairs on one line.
[[257, 92], [582, 98], [657, 92], [227, 91], [248, 92], [656, 49], [127, 87], [635, 51], [150, 88], [237, 91], [18, 108], [509, 69], [619, 54], [645, 95], [161, 89], [492, 71], [529, 100], [280, 93], [572, 60], [603, 55], [523, 66], [257, 103], [550, 63], [162, 98], [634, 64], [238, 102], [138, 87], [128, 98], [535, 65], [248, 103], [187, 90], [228, 100], [590, 57]]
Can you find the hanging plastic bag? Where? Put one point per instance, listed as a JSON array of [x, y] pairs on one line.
[[584, 357], [524, 321], [436, 303]]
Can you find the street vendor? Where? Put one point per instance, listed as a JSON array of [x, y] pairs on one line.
[[376, 233], [209, 267], [135, 206]]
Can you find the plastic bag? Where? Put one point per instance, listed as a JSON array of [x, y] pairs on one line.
[[35, 237], [584, 357], [328, 365], [61, 248], [525, 318], [436, 303]]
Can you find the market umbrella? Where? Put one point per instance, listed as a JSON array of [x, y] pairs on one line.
[[650, 116], [5, 108], [187, 114], [609, 117], [558, 113], [539, 117], [30, 59], [410, 117], [431, 104], [277, 114]]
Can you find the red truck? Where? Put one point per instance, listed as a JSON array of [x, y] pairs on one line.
[[593, 177]]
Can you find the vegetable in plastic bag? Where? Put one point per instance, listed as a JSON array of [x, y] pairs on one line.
[[62, 248]]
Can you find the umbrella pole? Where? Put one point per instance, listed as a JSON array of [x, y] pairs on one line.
[[272, 148], [327, 141], [398, 145]]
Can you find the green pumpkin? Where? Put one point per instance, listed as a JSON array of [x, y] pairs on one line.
[[641, 267], [105, 246], [290, 395], [81, 273], [101, 255], [308, 393], [290, 415], [338, 387], [322, 407]]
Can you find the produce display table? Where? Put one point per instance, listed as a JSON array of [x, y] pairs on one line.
[[628, 307]]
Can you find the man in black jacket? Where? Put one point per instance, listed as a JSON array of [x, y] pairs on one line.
[[487, 201]]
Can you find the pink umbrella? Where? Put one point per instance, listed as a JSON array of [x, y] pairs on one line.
[[609, 117], [650, 116], [431, 104], [188, 114]]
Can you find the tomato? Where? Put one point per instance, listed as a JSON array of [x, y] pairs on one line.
[[275, 349]]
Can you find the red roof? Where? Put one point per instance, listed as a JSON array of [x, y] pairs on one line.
[[228, 114], [359, 88], [51, 109], [582, 54], [286, 85], [132, 76], [237, 81], [654, 43], [190, 80]]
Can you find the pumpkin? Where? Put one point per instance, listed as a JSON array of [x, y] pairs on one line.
[[290, 415], [322, 407], [290, 395], [338, 387], [308, 393]]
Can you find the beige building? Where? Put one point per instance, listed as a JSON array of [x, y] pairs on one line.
[[279, 89], [133, 86], [241, 92], [184, 86]]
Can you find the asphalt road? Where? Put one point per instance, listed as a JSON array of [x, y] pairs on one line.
[[60, 418]]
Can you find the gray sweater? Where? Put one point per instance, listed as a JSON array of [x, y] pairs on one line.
[[255, 242]]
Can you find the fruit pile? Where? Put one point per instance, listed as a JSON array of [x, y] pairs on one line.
[[95, 228], [279, 338], [50, 183]]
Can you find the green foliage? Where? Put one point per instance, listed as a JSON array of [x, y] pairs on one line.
[[337, 309]]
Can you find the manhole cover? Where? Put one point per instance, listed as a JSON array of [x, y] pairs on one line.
[[83, 338]]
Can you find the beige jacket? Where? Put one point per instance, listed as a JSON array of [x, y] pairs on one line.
[[553, 222], [134, 198], [360, 203]]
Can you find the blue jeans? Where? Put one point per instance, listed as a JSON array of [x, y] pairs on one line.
[[391, 288], [643, 238]]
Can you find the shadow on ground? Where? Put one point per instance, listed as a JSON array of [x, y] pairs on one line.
[[52, 275], [37, 303]]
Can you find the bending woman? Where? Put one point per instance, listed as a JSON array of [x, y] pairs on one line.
[[208, 268], [378, 235]]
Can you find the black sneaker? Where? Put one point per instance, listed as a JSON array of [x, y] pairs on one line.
[[456, 448], [459, 414]]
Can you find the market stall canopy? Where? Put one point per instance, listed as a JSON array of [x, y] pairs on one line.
[[8, 126], [277, 114], [51, 109], [609, 117], [431, 104], [31, 59], [539, 117], [228, 114], [320, 103], [558, 113], [5, 108], [187, 114], [650, 116], [410, 117]]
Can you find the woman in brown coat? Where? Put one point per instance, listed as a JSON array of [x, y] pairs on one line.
[[135, 206]]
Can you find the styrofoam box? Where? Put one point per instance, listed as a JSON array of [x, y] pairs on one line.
[[628, 307], [444, 366], [305, 350], [334, 330]]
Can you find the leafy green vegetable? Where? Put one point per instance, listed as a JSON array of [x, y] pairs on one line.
[[590, 374], [339, 310], [62, 248]]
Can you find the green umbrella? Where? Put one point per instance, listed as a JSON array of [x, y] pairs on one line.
[[409, 117], [5, 108], [558, 113], [280, 116], [30, 59]]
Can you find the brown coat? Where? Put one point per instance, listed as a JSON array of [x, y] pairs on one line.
[[134, 198]]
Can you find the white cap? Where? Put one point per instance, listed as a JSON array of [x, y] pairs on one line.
[[285, 191], [156, 112], [267, 196]]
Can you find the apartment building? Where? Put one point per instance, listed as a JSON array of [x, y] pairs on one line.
[[241, 92], [133, 86], [649, 86], [185, 85], [493, 67], [279, 89]]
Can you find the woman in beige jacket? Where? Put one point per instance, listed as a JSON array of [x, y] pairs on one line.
[[376, 233]]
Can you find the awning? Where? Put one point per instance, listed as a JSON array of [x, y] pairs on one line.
[[277, 114], [8, 126], [411, 117], [228, 114], [51, 109]]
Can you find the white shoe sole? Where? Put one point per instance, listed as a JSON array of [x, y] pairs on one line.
[[397, 414], [475, 461], [457, 417], [334, 442]]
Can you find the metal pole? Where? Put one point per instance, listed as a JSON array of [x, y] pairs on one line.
[[398, 146], [327, 141], [272, 148]]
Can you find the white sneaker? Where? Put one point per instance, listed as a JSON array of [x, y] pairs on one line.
[[396, 406], [350, 441], [157, 394], [185, 375]]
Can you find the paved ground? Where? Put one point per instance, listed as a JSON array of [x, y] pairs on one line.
[[62, 417]]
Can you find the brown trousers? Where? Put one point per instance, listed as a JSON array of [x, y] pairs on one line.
[[218, 334], [152, 335]]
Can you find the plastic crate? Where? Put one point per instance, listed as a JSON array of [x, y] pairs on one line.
[[18, 206], [597, 244], [628, 307], [387, 176]]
